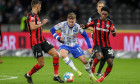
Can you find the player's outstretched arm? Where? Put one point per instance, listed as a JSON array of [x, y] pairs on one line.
[[60, 39], [84, 34], [89, 26]]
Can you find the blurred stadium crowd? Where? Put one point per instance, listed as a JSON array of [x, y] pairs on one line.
[[121, 11]]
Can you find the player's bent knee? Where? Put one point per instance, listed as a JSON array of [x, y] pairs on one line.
[[41, 64], [98, 56], [63, 56], [110, 64], [84, 61]]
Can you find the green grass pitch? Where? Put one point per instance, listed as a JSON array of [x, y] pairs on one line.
[[125, 71]]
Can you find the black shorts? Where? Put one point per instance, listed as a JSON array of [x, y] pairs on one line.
[[38, 48], [106, 51]]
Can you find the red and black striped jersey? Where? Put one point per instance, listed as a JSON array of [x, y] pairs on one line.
[[36, 36], [101, 31]]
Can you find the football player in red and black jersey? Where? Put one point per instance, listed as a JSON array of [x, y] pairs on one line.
[[96, 15], [101, 30], [39, 43]]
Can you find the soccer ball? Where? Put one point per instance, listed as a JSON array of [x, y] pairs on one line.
[[68, 77]]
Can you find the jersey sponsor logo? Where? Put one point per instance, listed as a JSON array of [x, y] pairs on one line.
[[102, 29], [107, 25], [32, 18]]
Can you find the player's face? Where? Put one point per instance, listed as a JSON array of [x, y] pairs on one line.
[[99, 7], [71, 22], [38, 7], [104, 15]]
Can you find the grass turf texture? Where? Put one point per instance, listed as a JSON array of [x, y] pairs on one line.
[[125, 71]]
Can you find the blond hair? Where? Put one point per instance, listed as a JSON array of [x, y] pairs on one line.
[[71, 16], [35, 2], [100, 2]]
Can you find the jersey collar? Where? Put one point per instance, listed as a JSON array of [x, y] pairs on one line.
[[70, 27]]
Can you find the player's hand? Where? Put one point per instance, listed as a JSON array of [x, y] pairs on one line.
[[90, 50], [61, 40], [44, 21], [82, 26]]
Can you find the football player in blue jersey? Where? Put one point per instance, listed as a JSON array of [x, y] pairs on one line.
[[69, 44]]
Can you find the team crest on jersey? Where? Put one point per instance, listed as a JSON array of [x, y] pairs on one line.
[[98, 23]]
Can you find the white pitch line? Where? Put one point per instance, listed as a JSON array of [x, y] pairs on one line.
[[8, 77]]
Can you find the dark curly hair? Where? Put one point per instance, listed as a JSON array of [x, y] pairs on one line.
[[105, 9]]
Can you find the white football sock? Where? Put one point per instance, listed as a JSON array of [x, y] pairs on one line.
[[69, 62], [87, 67]]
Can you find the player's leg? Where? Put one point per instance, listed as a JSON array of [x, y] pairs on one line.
[[91, 58], [98, 55], [102, 63], [87, 67], [48, 48], [108, 69], [64, 54], [108, 55], [96, 61], [37, 54]]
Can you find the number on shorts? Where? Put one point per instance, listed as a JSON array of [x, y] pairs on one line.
[[79, 49], [110, 51]]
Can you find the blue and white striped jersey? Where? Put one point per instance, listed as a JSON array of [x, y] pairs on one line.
[[69, 34]]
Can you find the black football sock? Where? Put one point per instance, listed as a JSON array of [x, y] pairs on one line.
[[102, 63]]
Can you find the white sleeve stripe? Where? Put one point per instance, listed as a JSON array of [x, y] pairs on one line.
[[57, 37], [54, 34]]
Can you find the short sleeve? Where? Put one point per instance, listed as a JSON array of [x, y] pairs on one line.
[[80, 29], [112, 28], [31, 18]]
